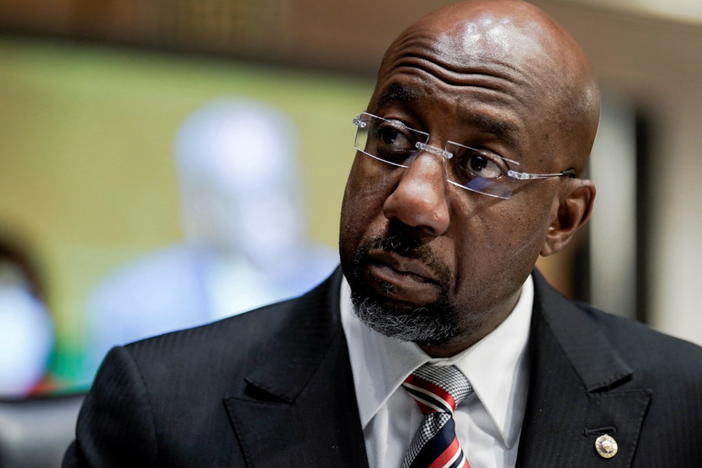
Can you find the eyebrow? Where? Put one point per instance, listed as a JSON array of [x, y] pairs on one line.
[[502, 130], [499, 128], [398, 93]]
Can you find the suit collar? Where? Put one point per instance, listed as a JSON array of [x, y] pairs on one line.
[[299, 408], [299, 405], [580, 388], [591, 354], [284, 368]]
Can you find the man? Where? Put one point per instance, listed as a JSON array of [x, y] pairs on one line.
[[439, 345], [223, 266]]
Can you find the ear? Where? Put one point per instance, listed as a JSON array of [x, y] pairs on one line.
[[570, 211]]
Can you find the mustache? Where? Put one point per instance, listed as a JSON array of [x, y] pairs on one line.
[[401, 245]]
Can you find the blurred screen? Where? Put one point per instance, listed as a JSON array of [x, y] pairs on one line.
[[88, 180]]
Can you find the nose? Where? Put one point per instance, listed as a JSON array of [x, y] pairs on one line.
[[420, 198]]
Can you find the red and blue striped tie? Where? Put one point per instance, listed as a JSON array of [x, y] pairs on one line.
[[438, 390]]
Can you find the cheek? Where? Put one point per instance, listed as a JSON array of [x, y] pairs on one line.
[[498, 246], [362, 207], [524, 222]]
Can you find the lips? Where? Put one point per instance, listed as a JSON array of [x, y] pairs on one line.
[[403, 265], [401, 279]]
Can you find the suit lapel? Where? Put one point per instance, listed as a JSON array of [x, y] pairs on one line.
[[580, 388], [299, 406]]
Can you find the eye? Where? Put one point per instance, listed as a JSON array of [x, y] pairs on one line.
[[392, 136], [483, 164], [393, 141]]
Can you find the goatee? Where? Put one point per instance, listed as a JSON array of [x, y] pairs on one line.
[[428, 324]]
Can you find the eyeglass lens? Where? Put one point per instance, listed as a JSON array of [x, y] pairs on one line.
[[392, 142]]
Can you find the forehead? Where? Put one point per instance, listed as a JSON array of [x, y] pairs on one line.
[[485, 73], [514, 50], [488, 114]]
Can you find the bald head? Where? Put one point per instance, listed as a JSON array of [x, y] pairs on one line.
[[524, 50], [480, 111]]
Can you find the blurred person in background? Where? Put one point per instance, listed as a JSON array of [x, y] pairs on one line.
[[26, 329], [243, 219]]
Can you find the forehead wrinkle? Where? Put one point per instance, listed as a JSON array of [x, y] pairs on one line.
[[482, 83], [420, 52], [397, 92], [496, 126]]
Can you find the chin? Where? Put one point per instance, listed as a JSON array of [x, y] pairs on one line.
[[430, 324], [436, 322]]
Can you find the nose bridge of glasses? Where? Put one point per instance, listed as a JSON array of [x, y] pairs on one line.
[[422, 188], [444, 156], [426, 147], [426, 167]]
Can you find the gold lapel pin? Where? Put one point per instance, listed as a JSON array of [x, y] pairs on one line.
[[606, 446]]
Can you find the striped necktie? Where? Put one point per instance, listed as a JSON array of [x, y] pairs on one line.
[[438, 390]]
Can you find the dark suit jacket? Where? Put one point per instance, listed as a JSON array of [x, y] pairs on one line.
[[273, 388]]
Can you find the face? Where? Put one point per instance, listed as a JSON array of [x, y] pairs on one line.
[[428, 261]]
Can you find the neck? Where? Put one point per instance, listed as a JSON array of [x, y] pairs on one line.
[[475, 331]]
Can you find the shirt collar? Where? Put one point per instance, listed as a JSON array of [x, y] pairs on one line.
[[495, 365]]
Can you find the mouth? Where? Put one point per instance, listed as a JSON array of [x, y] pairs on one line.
[[400, 278]]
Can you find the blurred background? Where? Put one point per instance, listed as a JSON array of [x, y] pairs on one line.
[[104, 106]]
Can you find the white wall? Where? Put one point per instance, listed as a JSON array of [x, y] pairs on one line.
[[658, 64]]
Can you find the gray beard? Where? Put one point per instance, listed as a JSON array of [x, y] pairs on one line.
[[429, 324], [425, 325]]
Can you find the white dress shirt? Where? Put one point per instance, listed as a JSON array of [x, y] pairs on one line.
[[488, 422]]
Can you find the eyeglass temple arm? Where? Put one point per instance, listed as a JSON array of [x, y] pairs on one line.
[[529, 176]]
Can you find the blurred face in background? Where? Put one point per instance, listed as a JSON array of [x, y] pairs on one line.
[[239, 184], [26, 332]]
